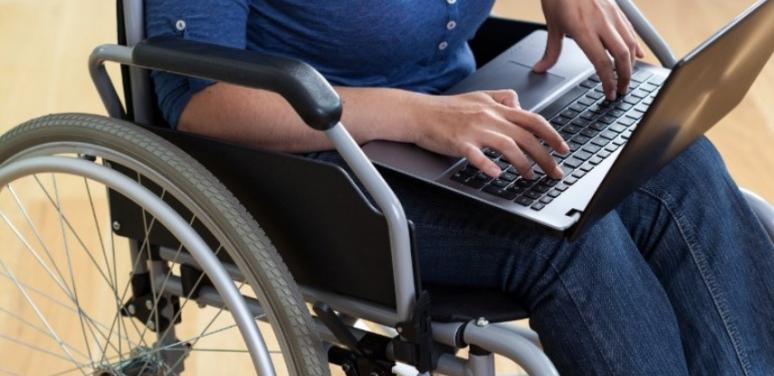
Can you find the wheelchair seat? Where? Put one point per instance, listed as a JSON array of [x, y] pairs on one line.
[[460, 304]]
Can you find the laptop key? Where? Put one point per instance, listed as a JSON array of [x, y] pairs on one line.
[[616, 113], [570, 113], [574, 146], [604, 154], [619, 141], [608, 135], [500, 183], [586, 101], [554, 193], [570, 180], [623, 107], [627, 121], [459, 177], [598, 126], [582, 155], [539, 188], [600, 141], [617, 128], [537, 206], [566, 170], [573, 163], [572, 129], [591, 148], [579, 174], [590, 133], [546, 200], [562, 187], [581, 139], [524, 201], [595, 160], [508, 176], [587, 167], [588, 115], [532, 194], [607, 119], [561, 120]]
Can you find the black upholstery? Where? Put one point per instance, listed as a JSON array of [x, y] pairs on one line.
[[326, 231], [449, 304]]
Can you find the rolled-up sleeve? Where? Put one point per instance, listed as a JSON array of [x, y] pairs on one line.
[[222, 22]]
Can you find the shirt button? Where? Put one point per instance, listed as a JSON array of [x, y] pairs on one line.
[[451, 25], [451, 1], [442, 46]]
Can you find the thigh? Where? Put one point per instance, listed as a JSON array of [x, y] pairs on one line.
[[596, 296], [709, 252]]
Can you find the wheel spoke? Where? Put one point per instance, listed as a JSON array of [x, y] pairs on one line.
[[39, 238], [70, 268], [38, 313], [38, 329], [88, 253]]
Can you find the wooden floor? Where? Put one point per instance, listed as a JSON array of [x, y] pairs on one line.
[[44, 45]]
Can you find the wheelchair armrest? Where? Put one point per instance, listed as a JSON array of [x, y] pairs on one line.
[[310, 94]]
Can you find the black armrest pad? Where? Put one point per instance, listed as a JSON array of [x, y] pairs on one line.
[[302, 86]]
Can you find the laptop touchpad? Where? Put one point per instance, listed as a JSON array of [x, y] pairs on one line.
[[531, 87]]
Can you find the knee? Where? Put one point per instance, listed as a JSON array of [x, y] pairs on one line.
[[697, 171]]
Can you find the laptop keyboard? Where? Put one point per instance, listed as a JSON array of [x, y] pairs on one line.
[[593, 127]]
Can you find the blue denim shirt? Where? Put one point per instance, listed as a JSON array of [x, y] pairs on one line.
[[418, 45]]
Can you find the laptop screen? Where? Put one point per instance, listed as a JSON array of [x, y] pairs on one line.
[[703, 88]]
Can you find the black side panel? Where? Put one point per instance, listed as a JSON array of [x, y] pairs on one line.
[[327, 233], [303, 87], [497, 35]]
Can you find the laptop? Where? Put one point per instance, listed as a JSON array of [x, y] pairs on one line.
[[616, 146]]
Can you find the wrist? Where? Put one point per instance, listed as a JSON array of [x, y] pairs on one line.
[[414, 115]]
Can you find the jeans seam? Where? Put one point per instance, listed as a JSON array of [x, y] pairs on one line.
[[721, 306]]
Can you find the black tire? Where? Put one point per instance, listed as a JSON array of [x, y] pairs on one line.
[[250, 249]]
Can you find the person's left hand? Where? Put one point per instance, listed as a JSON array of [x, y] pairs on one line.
[[599, 27]]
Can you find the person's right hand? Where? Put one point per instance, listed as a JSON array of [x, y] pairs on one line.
[[461, 125]]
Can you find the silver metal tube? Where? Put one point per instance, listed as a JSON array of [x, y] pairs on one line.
[[400, 240], [648, 33], [451, 365], [105, 88], [172, 222], [514, 347], [448, 334], [480, 365]]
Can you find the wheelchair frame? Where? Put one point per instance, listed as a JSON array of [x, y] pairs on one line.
[[310, 94]]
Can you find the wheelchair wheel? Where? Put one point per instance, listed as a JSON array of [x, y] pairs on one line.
[[77, 297]]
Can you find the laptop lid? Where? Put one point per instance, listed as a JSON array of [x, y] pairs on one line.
[[702, 88]]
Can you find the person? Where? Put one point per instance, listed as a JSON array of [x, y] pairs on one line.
[[674, 281]]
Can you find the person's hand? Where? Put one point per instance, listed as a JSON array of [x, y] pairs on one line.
[[461, 125], [599, 27]]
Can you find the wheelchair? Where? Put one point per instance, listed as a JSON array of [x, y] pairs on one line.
[[166, 218]]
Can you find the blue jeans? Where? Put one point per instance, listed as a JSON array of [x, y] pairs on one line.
[[678, 280]]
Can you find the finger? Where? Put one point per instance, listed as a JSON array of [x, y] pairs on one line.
[[507, 98], [629, 36], [593, 48], [510, 149], [532, 146], [477, 158], [553, 51], [539, 126], [621, 55]]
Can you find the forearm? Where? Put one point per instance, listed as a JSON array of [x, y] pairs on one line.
[[264, 119]]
